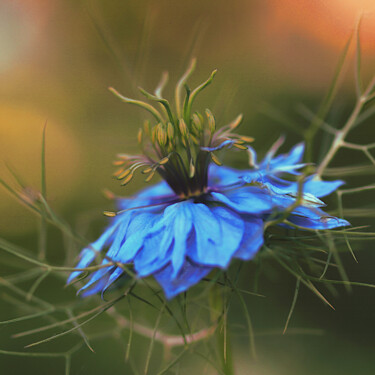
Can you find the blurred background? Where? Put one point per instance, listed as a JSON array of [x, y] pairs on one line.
[[275, 60]]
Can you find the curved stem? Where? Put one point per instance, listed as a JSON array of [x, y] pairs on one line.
[[167, 340], [340, 136]]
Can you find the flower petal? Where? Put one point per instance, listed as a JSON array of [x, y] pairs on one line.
[[189, 275], [214, 245], [88, 254], [252, 240], [139, 229], [159, 192], [221, 175], [315, 218], [251, 200], [155, 253], [321, 188], [294, 156]]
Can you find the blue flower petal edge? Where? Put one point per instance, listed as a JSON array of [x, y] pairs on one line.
[[180, 241]]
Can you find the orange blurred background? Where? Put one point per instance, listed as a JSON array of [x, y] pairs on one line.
[[57, 60]]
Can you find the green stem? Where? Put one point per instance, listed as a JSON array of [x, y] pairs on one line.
[[219, 313], [341, 135]]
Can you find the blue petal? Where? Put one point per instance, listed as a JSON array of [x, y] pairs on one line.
[[215, 245], [155, 254], [180, 217], [155, 191], [97, 276], [188, 275], [228, 142], [94, 289], [294, 156], [139, 228], [252, 240], [314, 218], [221, 175], [321, 188], [114, 276], [251, 200], [88, 254], [151, 195]]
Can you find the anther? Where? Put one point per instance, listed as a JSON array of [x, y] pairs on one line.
[[236, 122], [215, 159], [127, 179]]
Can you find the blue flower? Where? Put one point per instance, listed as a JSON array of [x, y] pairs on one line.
[[201, 216]]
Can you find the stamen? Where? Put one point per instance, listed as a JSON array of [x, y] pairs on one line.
[[147, 170], [215, 159], [236, 122], [191, 169], [124, 174], [118, 162], [164, 161], [180, 145], [140, 136], [211, 121], [149, 177], [247, 139], [239, 146], [118, 172], [127, 179]]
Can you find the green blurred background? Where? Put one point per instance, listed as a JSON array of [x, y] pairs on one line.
[[57, 59]]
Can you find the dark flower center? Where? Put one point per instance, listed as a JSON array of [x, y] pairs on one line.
[[180, 145]]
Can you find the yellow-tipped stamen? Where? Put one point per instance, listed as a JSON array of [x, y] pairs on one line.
[[236, 122], [191, 169], [118, 162], [239, 146], [215, 159], [247, 139], [153, 134], [149, 177], [109, 194], [164, 161], [124, 174], [197, 123], [161, 135], [127, 179], [140, 135], [211, 121], [170, 131], [183, 128], [194, 139], [146, 127], [118, 172], [109, 213]]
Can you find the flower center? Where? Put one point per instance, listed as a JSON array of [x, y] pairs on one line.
[[180, 144]]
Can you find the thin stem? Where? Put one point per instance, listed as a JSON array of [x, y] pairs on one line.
[[164, 338], [339, 139]]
